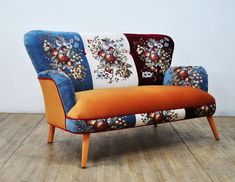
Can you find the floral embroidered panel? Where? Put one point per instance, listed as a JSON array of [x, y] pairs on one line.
[[191, 76], [109, 59], [102, 60], [61, 51], [152, 54]]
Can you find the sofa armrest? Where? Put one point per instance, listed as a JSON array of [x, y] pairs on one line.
[[64, 87], [193, 76]]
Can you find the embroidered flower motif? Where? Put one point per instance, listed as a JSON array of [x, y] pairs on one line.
[[156, 55], [117, 122], [63, 57], [207, 110], [187, 76], [159, 117], [112, 58], [106, 124]]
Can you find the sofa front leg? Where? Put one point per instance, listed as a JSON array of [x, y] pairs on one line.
[[85, 148], [213, 127], [51, 133]]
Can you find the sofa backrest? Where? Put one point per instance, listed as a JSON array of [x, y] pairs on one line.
[[102, 60]]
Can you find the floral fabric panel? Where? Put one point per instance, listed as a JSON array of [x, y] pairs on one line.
[[152, 55], [122, 122], [99, 125], [62, 51], [160, 117], [207, 110], [109, 59], [192, 76]]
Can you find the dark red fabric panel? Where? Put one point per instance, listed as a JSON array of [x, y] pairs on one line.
[[152, 54]]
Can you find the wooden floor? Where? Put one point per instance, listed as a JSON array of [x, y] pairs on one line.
[[180, 151]]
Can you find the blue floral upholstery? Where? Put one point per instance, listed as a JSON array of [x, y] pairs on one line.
[[78, 62], [192, 76], [62, 51]]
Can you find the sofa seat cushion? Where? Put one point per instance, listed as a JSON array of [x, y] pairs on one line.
[[111, 102]]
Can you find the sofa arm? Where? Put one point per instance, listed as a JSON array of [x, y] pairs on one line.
[[64, 87], [193, 76]]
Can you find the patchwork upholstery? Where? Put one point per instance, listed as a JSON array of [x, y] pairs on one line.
[[135, 120], [102, 82]]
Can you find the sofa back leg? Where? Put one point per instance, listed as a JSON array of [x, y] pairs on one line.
[[51, 133], [213, 127], [85, 148]]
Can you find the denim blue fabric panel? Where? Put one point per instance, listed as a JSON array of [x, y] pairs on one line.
[[75, 126], [193, 76], [99, 125], [62, 51], [64, 86]]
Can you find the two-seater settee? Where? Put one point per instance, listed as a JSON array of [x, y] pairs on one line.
[[102, 82]]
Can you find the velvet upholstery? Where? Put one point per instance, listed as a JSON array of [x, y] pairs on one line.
[[152, 54], [192, 76], [55, 113], [64, 86], [131, 100], [60, 51], [76, 64]]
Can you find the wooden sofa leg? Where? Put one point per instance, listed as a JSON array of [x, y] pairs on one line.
[[51, 133], [85, 148], [213, 127]]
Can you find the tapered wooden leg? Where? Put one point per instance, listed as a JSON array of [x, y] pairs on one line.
[[51, 133], [85, 148], [213, 127]]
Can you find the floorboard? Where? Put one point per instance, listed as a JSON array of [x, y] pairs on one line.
[[14, 129], [217, 158], [181, 151]]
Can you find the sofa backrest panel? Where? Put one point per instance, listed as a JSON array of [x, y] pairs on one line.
[[102, 60], [152, 54], [60, 51], [110, 60]]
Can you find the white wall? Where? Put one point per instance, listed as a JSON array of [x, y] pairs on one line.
[[203, 31]]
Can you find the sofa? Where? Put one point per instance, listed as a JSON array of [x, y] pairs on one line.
[[101, 82]]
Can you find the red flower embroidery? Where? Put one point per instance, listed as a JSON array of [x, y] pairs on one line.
[[156, 55], [112, 57], [63, 58]]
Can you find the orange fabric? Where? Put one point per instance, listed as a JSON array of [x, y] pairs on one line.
[[53, 106], [111, 102]]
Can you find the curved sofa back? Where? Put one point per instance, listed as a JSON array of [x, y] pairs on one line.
[[101, 60]]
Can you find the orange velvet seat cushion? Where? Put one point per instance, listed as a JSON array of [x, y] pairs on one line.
[[111, 102]]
